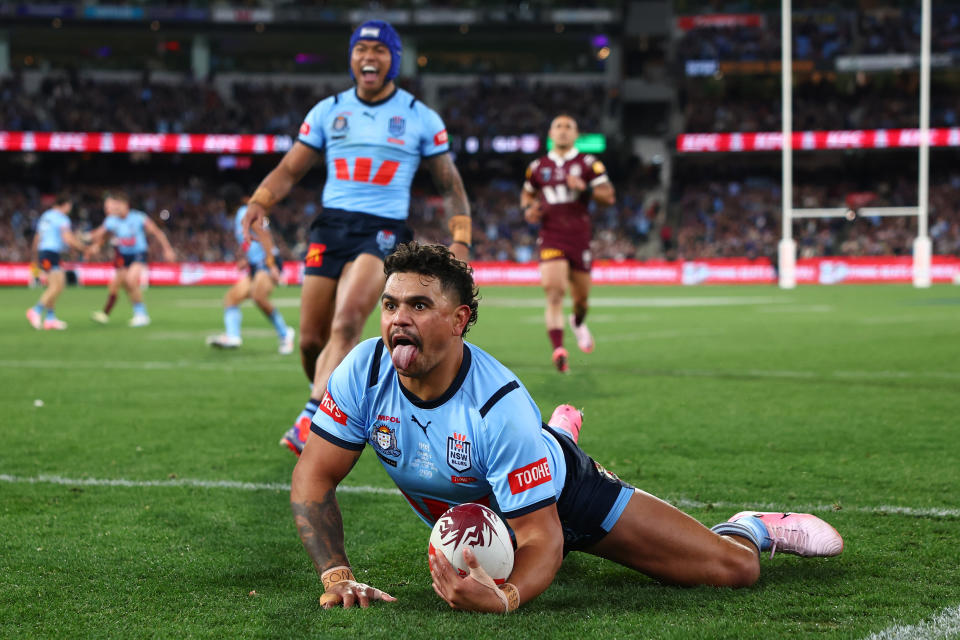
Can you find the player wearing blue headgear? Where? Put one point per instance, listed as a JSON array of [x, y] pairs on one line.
[[53, 236], [450, 424], [373, 137]]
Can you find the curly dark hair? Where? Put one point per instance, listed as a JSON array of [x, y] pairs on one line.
[[437, 261]]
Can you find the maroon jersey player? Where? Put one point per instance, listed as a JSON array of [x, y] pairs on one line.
[[556, 194]]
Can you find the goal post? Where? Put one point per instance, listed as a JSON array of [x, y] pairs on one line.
[[787, 248]]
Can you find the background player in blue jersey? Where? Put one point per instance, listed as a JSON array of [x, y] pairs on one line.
[[373, 137], [53, 236], [450, 424], [260, 272], [128, 229]]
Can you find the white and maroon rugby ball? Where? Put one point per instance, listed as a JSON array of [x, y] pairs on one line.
[[478, 527]]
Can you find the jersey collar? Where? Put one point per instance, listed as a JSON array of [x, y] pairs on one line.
[[378, 102], [446, 395], [569, 155]]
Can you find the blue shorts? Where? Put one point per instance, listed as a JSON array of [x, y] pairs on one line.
[[260, 266], [48, 260], [124, 260], [338, 237], [592, 499]]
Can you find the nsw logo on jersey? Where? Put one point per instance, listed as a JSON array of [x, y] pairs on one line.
[[458, 452], [386, 240], [384, 441], [397, 126]]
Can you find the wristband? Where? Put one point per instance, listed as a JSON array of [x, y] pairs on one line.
[[263, 197], [460, 227], [335, 575], [271, 262], [512, 595]]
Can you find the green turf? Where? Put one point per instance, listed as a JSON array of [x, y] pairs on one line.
[[841, 400]]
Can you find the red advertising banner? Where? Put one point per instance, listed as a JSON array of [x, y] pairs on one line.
[[846, 270], [720, 20], [813, 140], [70, 141]]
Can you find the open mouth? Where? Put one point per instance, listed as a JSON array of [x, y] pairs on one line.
[[369, 72]]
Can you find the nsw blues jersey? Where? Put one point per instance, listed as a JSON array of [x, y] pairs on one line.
[[128, 232], [50, 228], [481, 441], [372, 149]]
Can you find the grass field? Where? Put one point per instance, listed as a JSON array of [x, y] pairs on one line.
[[147, 497]]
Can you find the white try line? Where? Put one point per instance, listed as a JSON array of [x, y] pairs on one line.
[[284, 487], [945, 624]]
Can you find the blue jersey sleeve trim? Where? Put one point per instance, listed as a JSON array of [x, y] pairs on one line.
[[375, 364], [307, 144], [343, 444], [496, 397], [439, 153], [536, 506]]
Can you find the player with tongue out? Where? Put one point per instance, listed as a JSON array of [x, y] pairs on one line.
[[372, 138]]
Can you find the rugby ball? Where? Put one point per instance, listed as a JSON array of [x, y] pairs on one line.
[[480, 528]]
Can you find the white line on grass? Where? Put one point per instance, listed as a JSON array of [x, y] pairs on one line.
[[945, 624], [259, 364], [281, 486]]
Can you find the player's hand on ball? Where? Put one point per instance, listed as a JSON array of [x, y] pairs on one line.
[[475, 592], [350, 592]]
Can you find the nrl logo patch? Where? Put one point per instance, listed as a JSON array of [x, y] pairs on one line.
[[458, 452]]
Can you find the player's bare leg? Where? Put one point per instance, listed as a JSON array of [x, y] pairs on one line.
[[230, 338], [42, 316], [661, 541], [317, 306], [554, 275], [131, 283], [580, 293], [358, 291], [263, 286]]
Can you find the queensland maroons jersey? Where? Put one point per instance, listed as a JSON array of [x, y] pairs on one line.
[[50, 228], [564, 209], [253, 249], [372, 149], [128, 233], [481, 441]]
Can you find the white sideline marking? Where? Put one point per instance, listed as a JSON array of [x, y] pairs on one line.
[[217, 303], [201, 335], [945, 624], [282, 486], [259, 363]]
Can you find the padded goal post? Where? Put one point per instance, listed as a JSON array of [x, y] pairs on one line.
[[787, 249]]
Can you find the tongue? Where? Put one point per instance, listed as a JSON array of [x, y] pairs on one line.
[[403, 355]]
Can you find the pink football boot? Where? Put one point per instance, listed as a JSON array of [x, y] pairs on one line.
[[801, 534], [567, 419]]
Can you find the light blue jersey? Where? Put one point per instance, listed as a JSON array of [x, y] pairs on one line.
[[254, 250], [481, 441], [372, 149], [50, 227], [128, 232]]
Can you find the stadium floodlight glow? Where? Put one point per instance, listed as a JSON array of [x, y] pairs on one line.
[[587, 143], [787, 248]]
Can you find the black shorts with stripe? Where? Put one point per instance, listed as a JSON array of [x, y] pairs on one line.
[[338, 237]]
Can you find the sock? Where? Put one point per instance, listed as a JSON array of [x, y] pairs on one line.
[[231, 321], [749, 527], [308, 411], [556, 337], [139, 309], [578, 316], [111, 300], [51, 315], [279, 323], [38, 308]]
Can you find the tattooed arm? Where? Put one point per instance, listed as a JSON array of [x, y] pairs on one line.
[[313, 500], [450, 185]]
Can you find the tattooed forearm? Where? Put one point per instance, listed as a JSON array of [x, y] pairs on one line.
[[450, 185], [321, 529]]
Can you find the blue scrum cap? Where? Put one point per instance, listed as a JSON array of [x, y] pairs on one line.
[[382, 32]]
